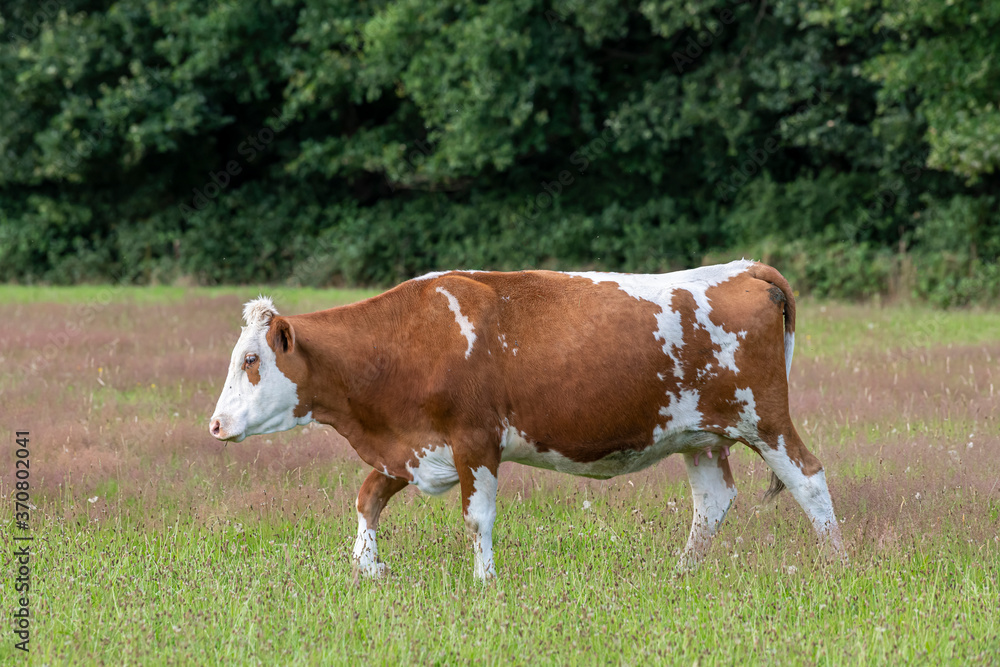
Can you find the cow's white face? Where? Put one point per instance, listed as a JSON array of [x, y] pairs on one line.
[[257, 397]]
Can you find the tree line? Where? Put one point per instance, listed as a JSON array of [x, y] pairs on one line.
[[853, 144]]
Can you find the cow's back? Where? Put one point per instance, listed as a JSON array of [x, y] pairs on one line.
[[588, 365]]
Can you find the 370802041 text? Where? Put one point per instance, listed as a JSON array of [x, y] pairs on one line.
[[22, 541]]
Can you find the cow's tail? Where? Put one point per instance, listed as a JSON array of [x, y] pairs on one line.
[[781, 292]]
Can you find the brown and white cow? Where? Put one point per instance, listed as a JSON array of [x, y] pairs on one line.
[[439, 380]]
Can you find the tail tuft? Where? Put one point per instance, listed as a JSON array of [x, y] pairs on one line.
[[789, 351], [777, 486]]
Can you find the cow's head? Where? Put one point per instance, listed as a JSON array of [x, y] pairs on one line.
[[258, 396]]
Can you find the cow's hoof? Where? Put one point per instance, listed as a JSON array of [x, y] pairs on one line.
[[834, 557], [484, 572], [685, 566], [370, 571]]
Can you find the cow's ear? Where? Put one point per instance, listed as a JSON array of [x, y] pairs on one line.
[[281, 335]]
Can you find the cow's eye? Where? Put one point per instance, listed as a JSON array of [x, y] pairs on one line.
[[250, 359]]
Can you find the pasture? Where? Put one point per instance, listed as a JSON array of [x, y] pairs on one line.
[[155, 544]]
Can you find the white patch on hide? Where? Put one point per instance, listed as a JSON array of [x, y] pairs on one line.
[[711, 498], [438, 274], [681, 412], [480, 516], [811, 493], [259, 311], [244, 408], [435, 471], [659, 289], [747, 426], [366, 551], [463, 322]]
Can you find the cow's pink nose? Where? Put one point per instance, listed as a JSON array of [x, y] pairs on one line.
[[216, 428]]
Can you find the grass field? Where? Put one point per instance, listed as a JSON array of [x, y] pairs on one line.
[[155, 544]]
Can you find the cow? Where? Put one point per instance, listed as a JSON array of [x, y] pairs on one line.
[[437, 381]]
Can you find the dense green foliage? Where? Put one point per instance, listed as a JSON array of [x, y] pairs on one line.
[[854, 144]]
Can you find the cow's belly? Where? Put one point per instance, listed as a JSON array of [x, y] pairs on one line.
[[517, 447]]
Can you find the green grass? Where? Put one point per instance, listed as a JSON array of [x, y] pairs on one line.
[[192, 554], [576, 586], [308, 298], [836, 330]]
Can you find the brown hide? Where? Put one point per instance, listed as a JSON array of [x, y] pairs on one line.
[[582, 372]]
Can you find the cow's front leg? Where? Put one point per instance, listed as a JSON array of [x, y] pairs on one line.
[[375, 492], [479, 506], [712, 493]]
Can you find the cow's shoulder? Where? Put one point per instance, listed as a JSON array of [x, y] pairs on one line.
[[466, 289], [455, 307]]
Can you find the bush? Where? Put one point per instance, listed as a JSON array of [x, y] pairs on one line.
[[343, 142]]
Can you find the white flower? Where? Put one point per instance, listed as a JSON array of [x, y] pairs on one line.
[[92, 500], [586, 504]]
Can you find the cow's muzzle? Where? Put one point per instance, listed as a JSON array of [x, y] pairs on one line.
[[220, 431]]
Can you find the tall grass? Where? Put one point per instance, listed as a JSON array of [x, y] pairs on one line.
[[157, 545]]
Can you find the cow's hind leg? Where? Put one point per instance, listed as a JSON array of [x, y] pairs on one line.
[[803, 475], [375, 492], [712, 492], [479, 507]]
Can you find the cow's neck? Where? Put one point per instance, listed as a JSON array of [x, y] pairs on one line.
[[342, 362]]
